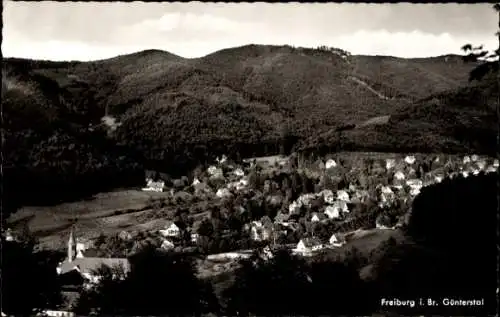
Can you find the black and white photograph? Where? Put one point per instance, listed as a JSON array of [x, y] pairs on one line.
[[249, 159]]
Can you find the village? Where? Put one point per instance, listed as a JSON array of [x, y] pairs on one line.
[[270, 203]]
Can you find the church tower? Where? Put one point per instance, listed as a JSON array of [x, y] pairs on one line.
[[71, 245]]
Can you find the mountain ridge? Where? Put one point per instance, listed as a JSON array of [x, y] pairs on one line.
[[173, 113]]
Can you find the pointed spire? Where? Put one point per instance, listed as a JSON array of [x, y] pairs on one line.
[[71, 245]]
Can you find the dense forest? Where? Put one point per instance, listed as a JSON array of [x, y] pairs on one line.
[[74, 128]]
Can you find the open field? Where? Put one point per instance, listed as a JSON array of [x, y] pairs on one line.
[[109, 212]]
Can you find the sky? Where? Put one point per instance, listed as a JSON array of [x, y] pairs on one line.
[[91, 30]]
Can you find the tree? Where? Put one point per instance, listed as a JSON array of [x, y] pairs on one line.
[[29, 280], [273, 287], [488, 60], [159, 283], [458, 261]]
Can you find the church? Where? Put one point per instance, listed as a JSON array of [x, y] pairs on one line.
[[76, 264]]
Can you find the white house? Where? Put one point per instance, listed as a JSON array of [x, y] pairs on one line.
[[330, 164], [239, 172], [215, 172], [294, 207], [496, 163], [342, 205], [315, 218], [196, 181], [410, 159], [308, 245], [332, 212], [399, 176], [415, 186], [466, 160], [390, 163], [481, 164], [465, 174], [336, 241], [386, 194], [267, 253], [171, 230], [491, 169], [152, 186], [306, 199], [194, 237], [327, 195], [8, 235], [56, 313], [343, 195], [167, 245], [223, 193], [260, 231], [221, 160]]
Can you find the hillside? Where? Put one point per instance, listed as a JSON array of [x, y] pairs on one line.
[[174, 113]]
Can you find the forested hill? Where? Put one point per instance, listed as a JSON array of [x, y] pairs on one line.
[[169, 113]]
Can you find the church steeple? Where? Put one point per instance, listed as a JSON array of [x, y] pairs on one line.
[[71, 245]]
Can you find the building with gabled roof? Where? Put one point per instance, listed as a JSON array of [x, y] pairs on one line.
[[86, 266]]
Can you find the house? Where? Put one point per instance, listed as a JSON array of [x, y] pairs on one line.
[[9, 236], [316, 217], [167, 245], [260, 231], [330, 164], [152, 186], [399, 175], [308, 245], [343, 195], [294, 207], [56, 313], [496, 163], [223, 193], [124, 235], [215, 172], [415, 186], [306, 199], [267, 253], [81, 246], [339, 206], [239, 185], [327, 195], [336, 240], [410, 159], [196, 181], [86, 266], [386, 194], [221, 160], [239, 172], [390, 163], [491, 169], [481, 164], [194, 237], [466, 160], [171, 230]]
